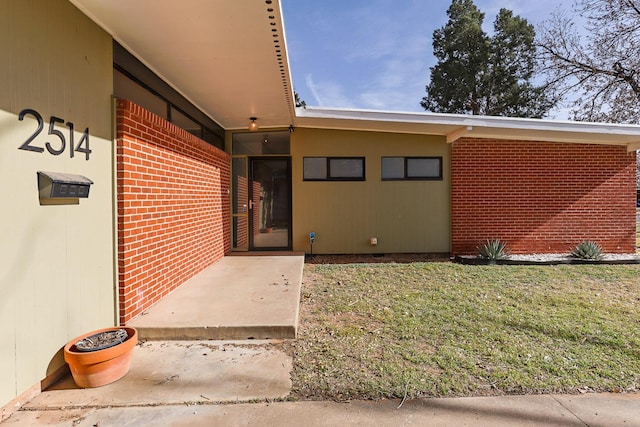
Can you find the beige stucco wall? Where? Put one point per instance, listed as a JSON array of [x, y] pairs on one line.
[[56, 262], [405, 216]]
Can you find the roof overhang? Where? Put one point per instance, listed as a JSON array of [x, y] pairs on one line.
[[227, 57], [455, 126]]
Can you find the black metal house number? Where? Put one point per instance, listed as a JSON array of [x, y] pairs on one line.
[[59, 144]]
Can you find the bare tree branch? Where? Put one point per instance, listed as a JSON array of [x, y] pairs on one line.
[[600, 71]]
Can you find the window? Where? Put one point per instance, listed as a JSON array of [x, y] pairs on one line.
[[333, 169], [124, 87], [134, 81], [411, 168], [184, 122]]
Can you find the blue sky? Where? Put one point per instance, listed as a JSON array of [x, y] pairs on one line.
[[376, 54]]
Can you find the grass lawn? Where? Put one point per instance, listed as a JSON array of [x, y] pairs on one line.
[[444, 329]]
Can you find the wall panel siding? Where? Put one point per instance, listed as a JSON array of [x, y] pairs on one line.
[[57, 269], [173, 207], [405, 216], [542, 197]]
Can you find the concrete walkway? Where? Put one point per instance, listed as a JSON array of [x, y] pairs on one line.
[[238, 297], [534, 411], [243, 383]]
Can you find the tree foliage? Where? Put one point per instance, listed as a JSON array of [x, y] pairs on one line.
[[298, 101], [599, 67], [478, 74]]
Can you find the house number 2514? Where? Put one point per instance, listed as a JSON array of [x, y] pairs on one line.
[[58, 142]]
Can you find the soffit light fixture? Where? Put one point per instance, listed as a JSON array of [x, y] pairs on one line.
[[253, 125]]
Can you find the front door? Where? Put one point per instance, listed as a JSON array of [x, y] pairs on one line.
[[269, 203]]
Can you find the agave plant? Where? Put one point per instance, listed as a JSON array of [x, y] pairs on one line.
[[493, 249], [587, 250]]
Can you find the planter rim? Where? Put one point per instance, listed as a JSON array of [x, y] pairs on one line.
[[114, 340], [89, 357]]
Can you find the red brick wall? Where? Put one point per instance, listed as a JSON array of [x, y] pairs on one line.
[[173, 207], [542, 197]]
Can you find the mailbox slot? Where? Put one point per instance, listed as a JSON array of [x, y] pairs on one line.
[[59, 186]]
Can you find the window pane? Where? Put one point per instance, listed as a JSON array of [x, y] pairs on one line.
[[212, 138], [392, 167], [125, 88], [346, 168], [179, 119], [240, 185], [240, 232], [315, 168], [423, 168]]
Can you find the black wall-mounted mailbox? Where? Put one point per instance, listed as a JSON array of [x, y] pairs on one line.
[[55, 185]]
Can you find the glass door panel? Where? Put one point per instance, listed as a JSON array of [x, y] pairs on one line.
[[240, 204], [269, 216]]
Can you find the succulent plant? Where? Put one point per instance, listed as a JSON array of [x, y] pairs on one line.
[[587, 250], [493, 249]]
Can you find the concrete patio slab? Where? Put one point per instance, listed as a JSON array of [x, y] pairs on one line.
[[183, 373], [238, 297]]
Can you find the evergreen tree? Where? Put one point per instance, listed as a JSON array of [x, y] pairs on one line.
[[478, 74], [462, 50]]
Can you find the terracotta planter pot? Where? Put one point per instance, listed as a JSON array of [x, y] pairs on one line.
[[100, 367]]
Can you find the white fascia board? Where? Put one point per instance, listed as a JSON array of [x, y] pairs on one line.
[[625, 133]]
